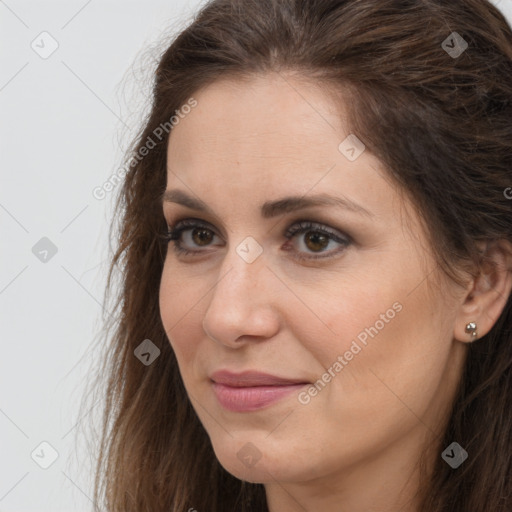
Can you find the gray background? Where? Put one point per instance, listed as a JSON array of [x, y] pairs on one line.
[[65, 120]]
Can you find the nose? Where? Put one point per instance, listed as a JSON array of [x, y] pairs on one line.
[[242, 307]]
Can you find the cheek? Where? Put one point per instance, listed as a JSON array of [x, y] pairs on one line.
[[351, 313], [383, 336], [398, 367], [177, 310]]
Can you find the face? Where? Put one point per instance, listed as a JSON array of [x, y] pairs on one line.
[[340, 305]]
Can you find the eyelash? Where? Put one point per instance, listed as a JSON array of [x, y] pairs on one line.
[[300, 227]]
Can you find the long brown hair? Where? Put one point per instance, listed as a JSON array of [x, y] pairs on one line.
[[441, 123]]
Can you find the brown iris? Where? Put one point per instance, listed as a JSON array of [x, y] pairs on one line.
[[204, 236], [318, 239]]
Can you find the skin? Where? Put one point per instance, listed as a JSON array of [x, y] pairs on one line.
[[356, 444]]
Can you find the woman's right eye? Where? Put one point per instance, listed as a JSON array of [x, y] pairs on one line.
[[198, 233]]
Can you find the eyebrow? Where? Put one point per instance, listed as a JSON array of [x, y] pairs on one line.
[[270, 209]]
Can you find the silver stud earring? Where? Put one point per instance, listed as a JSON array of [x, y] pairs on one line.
[[471, 329]]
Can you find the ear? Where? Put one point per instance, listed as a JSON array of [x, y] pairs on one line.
[[487, 293]]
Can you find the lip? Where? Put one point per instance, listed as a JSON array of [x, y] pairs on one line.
[[251, 390]]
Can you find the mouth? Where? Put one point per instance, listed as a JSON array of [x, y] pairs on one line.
[[251, 390]]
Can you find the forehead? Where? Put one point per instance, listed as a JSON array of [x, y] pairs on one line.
[[268, 137], [267, 112]]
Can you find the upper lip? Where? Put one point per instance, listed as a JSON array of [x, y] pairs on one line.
[[252, 378]]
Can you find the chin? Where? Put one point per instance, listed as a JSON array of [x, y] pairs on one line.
[[259, 473], [246, 462]]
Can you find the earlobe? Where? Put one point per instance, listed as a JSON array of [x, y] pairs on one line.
[[487, 293]]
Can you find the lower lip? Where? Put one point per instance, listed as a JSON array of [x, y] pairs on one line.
[[251, 398]]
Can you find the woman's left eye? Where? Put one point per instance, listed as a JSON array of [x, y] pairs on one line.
[[318, 238]]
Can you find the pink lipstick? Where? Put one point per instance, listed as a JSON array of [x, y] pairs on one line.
[[251, 390]]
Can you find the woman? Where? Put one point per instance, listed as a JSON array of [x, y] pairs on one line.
[[316, 247]]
